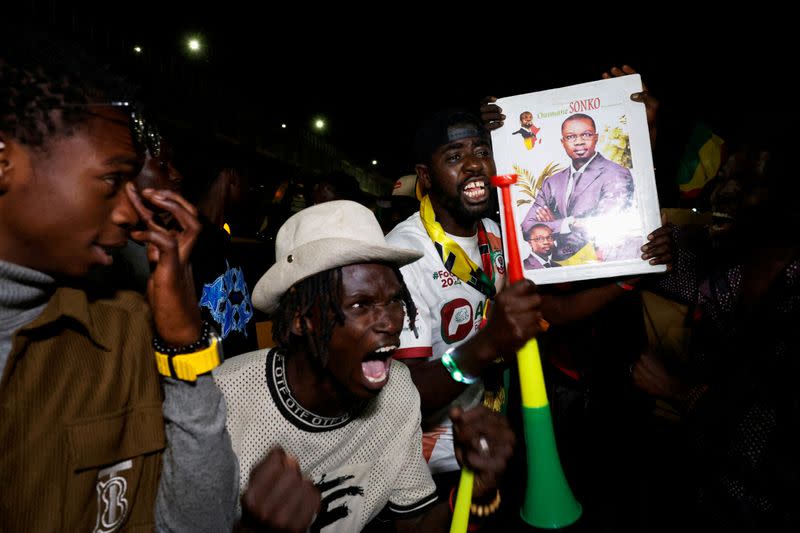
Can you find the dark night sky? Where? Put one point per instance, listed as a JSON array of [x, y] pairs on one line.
[[376, 78]]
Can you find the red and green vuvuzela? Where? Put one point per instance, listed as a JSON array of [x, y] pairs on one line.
[[549, 502]]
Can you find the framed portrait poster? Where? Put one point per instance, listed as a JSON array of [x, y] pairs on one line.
[[585, 198]]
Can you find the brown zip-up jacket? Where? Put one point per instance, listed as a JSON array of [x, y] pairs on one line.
[[81, 426]]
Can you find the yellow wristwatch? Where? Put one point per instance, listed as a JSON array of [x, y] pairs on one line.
[[187, 366]]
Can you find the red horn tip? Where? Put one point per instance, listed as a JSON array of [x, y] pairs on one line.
[[504, 180]]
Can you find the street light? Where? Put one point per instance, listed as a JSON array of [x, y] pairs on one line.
[[193, 44]]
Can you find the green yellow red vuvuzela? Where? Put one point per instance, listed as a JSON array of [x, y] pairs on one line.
[[549, 502]]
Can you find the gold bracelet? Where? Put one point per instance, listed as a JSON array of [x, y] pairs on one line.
[[494, 400], [487, 509]]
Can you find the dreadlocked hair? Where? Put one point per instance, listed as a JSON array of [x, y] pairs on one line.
[[320, 297], [39, 74]]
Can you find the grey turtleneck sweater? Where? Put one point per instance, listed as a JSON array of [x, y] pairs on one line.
[[199, 483], [24, 293]]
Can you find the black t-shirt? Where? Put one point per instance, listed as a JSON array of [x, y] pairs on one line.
[[222, 291]]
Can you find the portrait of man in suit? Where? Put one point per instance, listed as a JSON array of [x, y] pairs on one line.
[[590, 186], [540, 239]]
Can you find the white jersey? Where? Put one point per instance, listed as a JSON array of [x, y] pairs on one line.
[[362, 463], [449, 313]]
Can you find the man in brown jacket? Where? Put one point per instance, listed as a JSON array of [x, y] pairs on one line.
[[92, 438]]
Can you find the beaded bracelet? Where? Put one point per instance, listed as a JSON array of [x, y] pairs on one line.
[[481, 511], [455, 373], [162, 347], [487, 509]]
